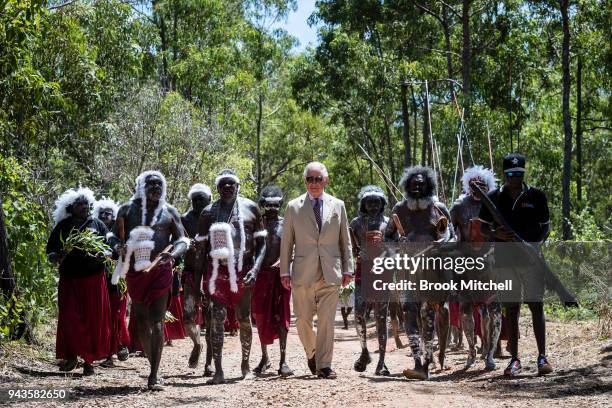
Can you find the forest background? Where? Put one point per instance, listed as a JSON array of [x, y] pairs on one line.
[[94, 92]]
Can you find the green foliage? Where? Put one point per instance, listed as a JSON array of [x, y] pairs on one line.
[[27, 223], [90, 243], [10, 317]]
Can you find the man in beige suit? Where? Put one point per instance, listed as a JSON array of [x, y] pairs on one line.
[[315, 231]]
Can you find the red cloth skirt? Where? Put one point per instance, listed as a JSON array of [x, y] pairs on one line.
[[174, 330], [230, 322], [223, 293], [187, 279], [119, 332], [270, 305], [454, 314], [147, 287], [83, 323], [133, 331]]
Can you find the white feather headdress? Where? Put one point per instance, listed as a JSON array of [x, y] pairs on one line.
[[68, 198], [105, 203], [199, 188], [480, 172], [140, 193]]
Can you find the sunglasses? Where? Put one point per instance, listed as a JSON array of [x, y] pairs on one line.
[[317, 179], [515, 173]]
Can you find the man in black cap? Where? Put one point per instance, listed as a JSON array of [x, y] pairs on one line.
[[525, 209]]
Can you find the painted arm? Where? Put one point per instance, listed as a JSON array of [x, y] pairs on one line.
[[260, 247]]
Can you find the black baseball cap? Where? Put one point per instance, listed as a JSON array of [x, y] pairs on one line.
[[514, 162]]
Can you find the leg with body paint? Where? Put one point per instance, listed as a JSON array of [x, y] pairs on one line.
[[218, 314], [493, 331], [151, 334], [190, 315], [243, 315], [380, 314], [360, 326], [411, 317], [264, 363], [428, 321], [207, 311], [345, 311], [395, 313], [283, 368], [443, 327], [467, 323]]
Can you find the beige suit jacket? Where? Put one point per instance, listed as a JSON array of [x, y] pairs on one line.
[[331, 248]]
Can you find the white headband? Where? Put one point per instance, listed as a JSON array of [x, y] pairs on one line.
[[226, 176], [199, 188], [373, 193], [272, 199]]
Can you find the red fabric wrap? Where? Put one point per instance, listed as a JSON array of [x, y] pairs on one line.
[[223, 293], [358, 272], [133, 331], [188, 281], [270, 305], [83, 323], [119, 331], [147, 287], [454, 314], [174, 330], [230, 322]]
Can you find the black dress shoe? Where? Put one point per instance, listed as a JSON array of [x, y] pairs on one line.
[[326, 373], [312, 364]]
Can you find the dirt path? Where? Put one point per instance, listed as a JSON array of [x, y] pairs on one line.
[[582, 377]]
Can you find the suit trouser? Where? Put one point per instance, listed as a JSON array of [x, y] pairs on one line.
[[318, 298]]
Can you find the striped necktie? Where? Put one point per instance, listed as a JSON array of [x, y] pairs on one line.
[[317, 212]]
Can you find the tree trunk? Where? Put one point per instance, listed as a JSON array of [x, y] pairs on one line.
[[258, 142], [389, 149], [567, 124], [405, 124], [579, 130], [447, 49], [158, 17], [174, 41], [466, 56], [7, 282], [426, 132], [414, 126]]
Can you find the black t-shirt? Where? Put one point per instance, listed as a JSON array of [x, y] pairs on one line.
[[527, 215], [76, 264]]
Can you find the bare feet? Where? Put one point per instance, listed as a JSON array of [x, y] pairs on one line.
[[246, 371], [218, 378], [208, 371], [69, 365], [108, 363], [88, 369], [362, 362], [155, 384], [194, 358], [284, 370], [382, 370], [263, 365]]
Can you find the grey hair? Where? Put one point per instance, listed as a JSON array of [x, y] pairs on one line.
[[316, 165], [427, 172]]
